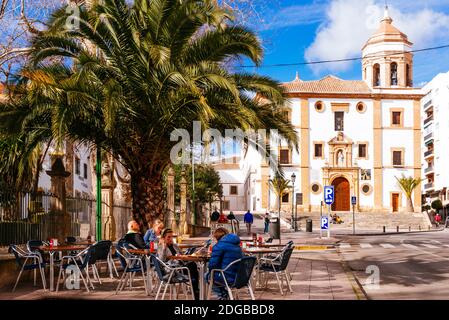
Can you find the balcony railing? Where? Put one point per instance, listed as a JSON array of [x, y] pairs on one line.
[[428, 137], [428, 104], [428, 186], [428, 153], [429, 119], [429, 169]]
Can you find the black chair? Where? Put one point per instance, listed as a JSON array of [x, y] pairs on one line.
[[101, 253], [172, 277], [242, 277], [70, 240], [81, 262], [191, 250], [278, 267], [33, 247], [37, 263]]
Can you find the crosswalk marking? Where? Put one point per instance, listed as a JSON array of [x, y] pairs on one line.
[[387, 245], [410, 246], [431, 246], [446, 245], [345, 245], [365, 246]]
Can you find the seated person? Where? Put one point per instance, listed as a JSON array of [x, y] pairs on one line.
[[152, 234], [225, 251], [339, 220], [231, 216], [168, 248], [215, 216], [133, 236]]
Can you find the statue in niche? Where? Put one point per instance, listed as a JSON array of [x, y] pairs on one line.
[[340, 158]]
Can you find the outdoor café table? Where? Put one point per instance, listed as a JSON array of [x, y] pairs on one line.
[[259, 252], [51, 250], [201, 261]]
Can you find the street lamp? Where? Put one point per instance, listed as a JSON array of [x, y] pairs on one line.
[[293, 178], [269, 183]]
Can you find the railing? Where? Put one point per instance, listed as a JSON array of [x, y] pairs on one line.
[[428, 103], [429, 169], [428, 120], [22, 218], [429, 136], [428, 186], [428, 153]]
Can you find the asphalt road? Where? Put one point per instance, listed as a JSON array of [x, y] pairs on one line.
[[403, 266]]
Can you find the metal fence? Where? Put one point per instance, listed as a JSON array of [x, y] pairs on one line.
[[22, 218]]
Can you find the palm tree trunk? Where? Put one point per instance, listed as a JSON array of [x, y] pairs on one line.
[[147, 196], [409, 207]]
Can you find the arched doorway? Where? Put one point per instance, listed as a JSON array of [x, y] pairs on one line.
[[342, 195]]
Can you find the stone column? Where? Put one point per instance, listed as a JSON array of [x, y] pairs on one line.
[[108, 184], [171, 200], [58, 221], [183, 227]]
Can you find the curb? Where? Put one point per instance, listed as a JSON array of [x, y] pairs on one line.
[[391, 233], [355, 283], [314, 247]]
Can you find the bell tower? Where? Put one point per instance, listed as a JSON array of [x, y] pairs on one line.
[[386, 58]]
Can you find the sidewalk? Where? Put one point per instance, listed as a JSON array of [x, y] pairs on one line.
[[315, 276]]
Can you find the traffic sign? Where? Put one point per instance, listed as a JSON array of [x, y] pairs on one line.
[[324, 223], [354, 200], [329, 193]]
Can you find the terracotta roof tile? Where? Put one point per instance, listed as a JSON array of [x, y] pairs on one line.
[[329, 84]]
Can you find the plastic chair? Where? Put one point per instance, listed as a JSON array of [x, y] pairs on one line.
[[36, 264], [171, 277], [242, 278], [131, 265], [81, 261], [278, 266]]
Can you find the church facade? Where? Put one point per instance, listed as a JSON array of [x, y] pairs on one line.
[[358, 136]]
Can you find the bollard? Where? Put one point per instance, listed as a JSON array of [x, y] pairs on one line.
[[429, 228], [409, 228], [397, 228], [419, 227], [384, 228]]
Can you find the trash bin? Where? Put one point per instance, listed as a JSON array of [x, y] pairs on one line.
[[274, 228], [309, 225]]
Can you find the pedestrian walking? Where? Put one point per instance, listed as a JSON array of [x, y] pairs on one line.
[[267, 222], [248, 219], [215, 216]]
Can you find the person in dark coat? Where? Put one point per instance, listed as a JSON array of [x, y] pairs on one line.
[[215, 216], [225, 251], [133, 236]]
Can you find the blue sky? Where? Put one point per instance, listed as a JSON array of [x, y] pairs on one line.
[[299, 31]]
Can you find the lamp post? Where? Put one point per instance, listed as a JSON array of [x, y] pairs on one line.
[[268, 203], [293, 178]]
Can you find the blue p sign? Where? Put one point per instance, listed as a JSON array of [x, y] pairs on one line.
[[329, 194], [324, 223], [354, 200]]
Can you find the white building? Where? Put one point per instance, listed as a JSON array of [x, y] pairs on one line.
[[435, 117], [355, 135]]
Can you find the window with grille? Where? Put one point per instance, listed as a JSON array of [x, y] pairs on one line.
[[318, 150], [397, 158], [233, 190], [362, 150], [226, 205], [85, 171], [284, 156], [396, 118], [339, 120], [285, 198], [77, 166]]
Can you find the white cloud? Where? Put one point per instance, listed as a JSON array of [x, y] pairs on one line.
[[350, 23]]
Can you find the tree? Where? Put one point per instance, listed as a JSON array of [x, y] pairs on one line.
[[280, 185], [131, 75], [408, 185], [437, 205]]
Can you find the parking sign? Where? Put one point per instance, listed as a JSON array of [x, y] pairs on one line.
[[329, 195], [354, 200], [324, 223]]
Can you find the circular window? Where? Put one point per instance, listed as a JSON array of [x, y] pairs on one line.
[[361, 107], [319, 106], [316, 188], [366, 189]]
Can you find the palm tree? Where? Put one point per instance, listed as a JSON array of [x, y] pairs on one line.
[[132, 74], [408, 184]]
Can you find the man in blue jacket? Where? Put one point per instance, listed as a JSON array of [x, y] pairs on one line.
[[225, 251], [248, 219]]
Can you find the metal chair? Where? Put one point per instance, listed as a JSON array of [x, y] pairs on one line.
[[171, 277], [131, 265], [242, 278], [81, 261], [102, 253], [278, 266], [36, 264]]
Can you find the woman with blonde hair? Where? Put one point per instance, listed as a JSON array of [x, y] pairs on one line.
[[153, 234]]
